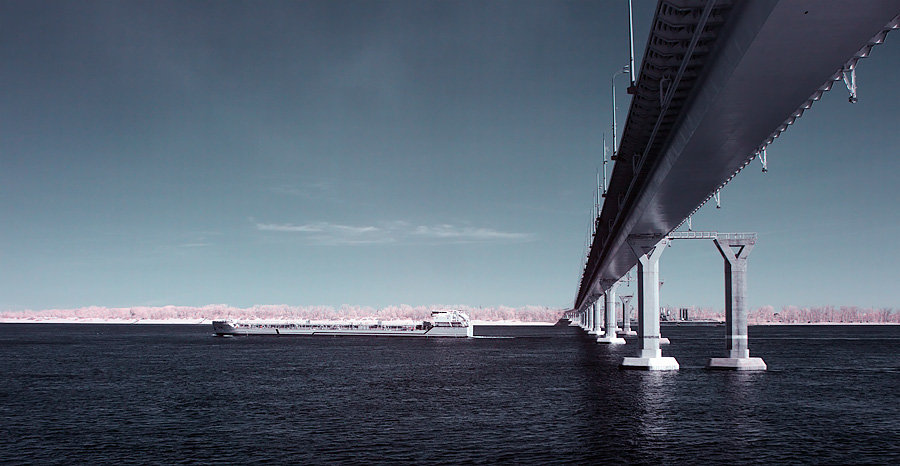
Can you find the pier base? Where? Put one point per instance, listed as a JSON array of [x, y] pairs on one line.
[[662, 363], [611, 340], [737, 364]]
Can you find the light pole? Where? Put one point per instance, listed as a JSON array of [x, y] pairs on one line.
[[629, 68], [625, 69], [630, 48], [604, 165]]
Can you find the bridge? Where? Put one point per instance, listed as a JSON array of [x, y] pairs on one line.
[[720, 80]]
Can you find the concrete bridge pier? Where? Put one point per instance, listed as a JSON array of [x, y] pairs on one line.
[[735, 253], [609, 336], [648, 252], [626, 317], [595, 318], [589, 320]]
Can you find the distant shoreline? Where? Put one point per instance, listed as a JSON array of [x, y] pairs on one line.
[[108, 321], [474, 322], [824, 323], [209, 321]]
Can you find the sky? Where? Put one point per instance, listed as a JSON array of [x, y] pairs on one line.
[[382, 153]]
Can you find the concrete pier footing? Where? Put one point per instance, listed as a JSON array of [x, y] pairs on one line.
[[652, 361], [667, 363], [611, 340], [737, 364]]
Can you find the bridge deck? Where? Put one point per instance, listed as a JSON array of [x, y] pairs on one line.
[[718, 83]]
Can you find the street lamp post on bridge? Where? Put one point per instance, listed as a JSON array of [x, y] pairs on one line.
[[625, 69]]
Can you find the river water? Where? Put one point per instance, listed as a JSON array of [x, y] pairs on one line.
[[173, 393]]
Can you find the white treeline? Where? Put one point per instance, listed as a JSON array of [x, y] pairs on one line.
[[525, 314], [836, 314], [284, 312], [800, 315]]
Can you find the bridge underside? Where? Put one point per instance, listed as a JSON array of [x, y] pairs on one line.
[[719, 81]]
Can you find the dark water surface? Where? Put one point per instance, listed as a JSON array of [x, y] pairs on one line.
[[173, 393]]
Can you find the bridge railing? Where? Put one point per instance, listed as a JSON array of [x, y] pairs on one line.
[[710, 235]]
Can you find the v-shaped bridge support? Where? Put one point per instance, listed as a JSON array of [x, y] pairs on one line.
[[735, 252], [648, 251]]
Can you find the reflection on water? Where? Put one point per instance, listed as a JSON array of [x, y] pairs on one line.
[[744, 394], [654, 393]]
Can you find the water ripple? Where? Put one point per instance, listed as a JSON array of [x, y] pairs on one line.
[[172, 395]]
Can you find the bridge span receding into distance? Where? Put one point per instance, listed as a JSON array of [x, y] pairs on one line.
[[720, 80]]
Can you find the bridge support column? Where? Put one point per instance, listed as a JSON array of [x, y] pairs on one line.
[[736, 307], [595, 317], [590, 320], [609, 336], [626, 317], [648, 252]]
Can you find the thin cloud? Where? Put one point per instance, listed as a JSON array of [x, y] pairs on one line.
[[331, 233], [288, 228], [447, 231], [393, 232]]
